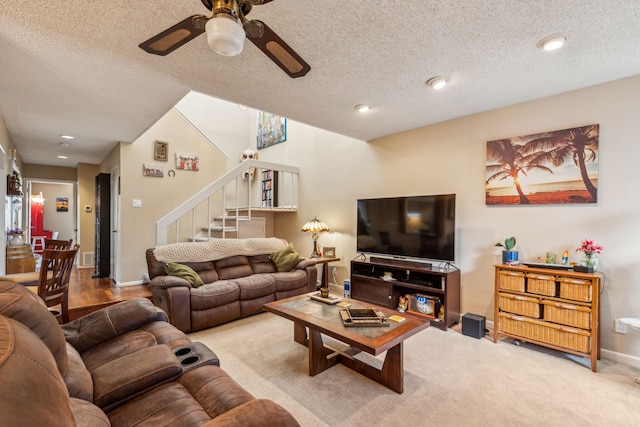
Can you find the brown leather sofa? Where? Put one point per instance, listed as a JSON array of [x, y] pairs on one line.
[[234, 287], [119, 366]]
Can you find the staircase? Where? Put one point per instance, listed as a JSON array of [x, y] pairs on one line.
[[239, 227], [226, 208]]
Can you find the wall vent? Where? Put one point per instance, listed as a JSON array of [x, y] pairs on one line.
[[87, 258]]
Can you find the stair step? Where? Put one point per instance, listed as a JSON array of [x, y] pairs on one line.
[[231, 218], [219, 229]]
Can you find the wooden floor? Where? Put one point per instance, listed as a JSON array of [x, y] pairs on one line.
[[87, 294]]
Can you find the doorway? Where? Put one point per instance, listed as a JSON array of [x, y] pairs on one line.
[[50, 211]]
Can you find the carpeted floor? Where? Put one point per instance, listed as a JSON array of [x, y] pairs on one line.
[[450, 380]]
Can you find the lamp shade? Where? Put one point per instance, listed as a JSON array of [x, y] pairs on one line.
[[225, 36], [315, 226]]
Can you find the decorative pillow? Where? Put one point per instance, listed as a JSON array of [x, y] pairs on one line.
[[184, 272], [286, 258]]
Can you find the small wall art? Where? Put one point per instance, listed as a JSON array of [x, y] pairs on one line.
[[272, 129], [149, 169], [161, 151], [557, 167], [62, 204], [187, 161]]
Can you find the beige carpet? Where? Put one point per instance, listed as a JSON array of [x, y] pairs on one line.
[[450, 380]]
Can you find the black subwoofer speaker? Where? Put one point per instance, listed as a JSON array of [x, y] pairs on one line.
[[473, 325]]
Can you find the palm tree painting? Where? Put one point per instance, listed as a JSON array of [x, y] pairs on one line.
[[556, 167]]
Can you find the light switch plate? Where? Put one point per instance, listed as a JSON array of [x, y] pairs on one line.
[[136, 203]]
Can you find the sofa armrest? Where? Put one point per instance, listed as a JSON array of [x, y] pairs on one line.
[[174, 299], [163, 282], [128, 376], [109, 322], [309, 266], [255, 413], [307, 262]]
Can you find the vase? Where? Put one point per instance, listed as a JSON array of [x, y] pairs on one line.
[[590, 260], [16, 240], [509, 257]]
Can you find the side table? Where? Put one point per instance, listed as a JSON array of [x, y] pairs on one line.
[[324, 283]]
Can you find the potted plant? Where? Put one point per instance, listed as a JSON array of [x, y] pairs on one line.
[[509, 256]]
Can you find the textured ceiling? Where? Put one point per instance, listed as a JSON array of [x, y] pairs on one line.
[[75, 67]]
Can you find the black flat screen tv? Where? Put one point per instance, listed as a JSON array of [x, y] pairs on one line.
[[408, 227]]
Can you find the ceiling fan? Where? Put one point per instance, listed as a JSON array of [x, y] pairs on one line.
[[226, 35]]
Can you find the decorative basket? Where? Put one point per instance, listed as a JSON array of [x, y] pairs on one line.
[[541, 284], [567, 314], [575, 289], [546, 332], [511, 280], [519, 304]]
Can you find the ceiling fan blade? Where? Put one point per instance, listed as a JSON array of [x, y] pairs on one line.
[[176, 36], [275, 48]]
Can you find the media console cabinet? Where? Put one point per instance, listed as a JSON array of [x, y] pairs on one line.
[[558, 309], [407, 278]]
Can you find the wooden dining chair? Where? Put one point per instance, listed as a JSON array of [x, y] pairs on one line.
[[53, 285], [58, 244]]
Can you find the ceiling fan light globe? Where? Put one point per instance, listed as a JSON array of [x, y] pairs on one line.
[[225, 36]]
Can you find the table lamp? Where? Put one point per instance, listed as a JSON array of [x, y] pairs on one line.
[[315, 226]]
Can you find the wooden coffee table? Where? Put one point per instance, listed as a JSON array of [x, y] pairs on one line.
[[320, 318]]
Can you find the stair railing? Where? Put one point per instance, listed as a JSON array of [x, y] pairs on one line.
[[219, 187]]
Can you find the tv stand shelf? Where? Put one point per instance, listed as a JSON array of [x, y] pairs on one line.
[[368, 285]]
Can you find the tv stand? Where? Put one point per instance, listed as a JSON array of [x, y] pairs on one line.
[[407, 278]]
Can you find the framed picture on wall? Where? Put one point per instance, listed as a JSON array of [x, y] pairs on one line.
[[187, 161], [62, 204], [557, 167], [272, 129], [149, 169], [161, 151]]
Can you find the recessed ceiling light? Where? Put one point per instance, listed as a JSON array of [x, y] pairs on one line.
[[65, 144], [67, 136], [361, 108], [63, 157], [552, 42], [437, 82]]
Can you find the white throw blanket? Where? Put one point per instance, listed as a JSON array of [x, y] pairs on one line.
[[216, 249]]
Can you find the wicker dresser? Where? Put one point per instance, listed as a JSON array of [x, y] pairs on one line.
[[553, 308]]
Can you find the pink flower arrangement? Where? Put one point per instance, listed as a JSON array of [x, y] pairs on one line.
[[590, 247]]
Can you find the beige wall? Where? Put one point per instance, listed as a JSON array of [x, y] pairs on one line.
[[450, 158], [158, 195], [58, 173]]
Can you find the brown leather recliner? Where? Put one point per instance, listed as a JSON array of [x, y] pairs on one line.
[[117, 367]]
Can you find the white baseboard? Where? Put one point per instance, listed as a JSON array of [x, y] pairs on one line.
[[626, 359], [614, 356], [133, 283]]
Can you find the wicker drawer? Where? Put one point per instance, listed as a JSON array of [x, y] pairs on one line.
[[545, 332], [519, 304], [511, 280], [567, 314], [575, 289], [541, 284]]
